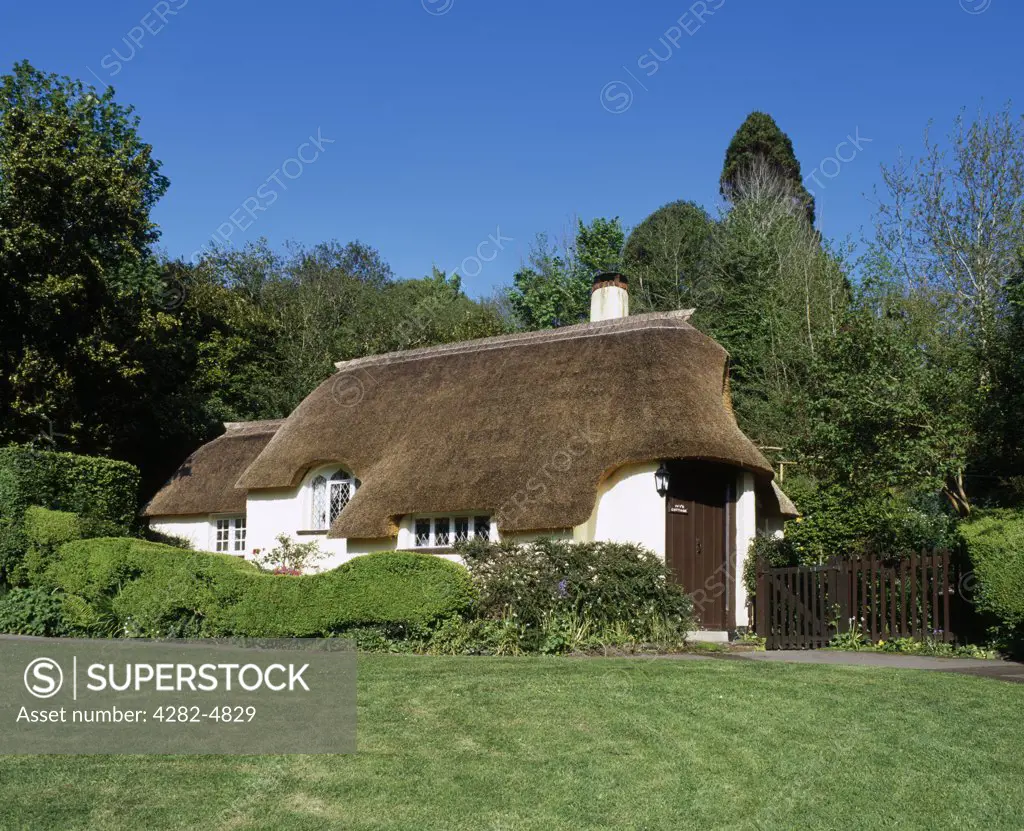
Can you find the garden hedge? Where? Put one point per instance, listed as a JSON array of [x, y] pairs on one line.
[[129, 586], [103, 491], [995, 544]]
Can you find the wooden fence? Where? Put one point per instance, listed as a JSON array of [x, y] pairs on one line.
[[804, 607]]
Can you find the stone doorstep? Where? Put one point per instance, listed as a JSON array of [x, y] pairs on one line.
[[708, 636]]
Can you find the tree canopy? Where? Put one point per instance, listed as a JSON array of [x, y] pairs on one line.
[[889, 381], [77, 184], [667, 257], [759, 140]]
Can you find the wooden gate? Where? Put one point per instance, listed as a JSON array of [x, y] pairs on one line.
[[804, 607]]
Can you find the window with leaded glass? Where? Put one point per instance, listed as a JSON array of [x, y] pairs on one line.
[[445, 531], [341, 493], [442, 532], [330, 496], [319, 503]]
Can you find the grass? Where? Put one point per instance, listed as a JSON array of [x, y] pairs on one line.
[[532, 743]]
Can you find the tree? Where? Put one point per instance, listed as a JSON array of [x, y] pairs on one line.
[[776, 292], [599, 245], [435, 310], [889, 411], [952, 221], [667, 258], [273, 324], [950, 230], [553, 287], [77, 280], [759, 140], [548, 290]]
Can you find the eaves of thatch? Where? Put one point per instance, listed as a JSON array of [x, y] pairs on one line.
[[205, 482]]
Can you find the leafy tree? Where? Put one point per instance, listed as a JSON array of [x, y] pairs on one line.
[[759, 140], [77, 184], [553, 287], [548, 290], [435, 310], [272, 325], [776, 294], [1003, 427], [667, 257], [599, 245], [950, 230], [890, 412]]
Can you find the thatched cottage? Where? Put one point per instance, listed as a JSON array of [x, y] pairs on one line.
[[617, 429]]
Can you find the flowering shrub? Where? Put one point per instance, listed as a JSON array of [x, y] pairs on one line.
[[581, 584], [289, 557]]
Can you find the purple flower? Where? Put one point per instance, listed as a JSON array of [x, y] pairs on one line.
[[563, 588]]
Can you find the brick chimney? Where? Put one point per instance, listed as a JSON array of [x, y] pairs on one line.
[[609, 296]]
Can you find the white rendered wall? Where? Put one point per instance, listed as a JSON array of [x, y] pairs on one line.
[[195, 529], [628, 509], [272, 512], [746, 530], [773, 526]]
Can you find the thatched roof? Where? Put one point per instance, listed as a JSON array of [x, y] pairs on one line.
[[205, 482], [521, 426], [775, 502]]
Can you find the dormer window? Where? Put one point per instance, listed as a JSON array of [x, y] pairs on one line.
[[331, 493]]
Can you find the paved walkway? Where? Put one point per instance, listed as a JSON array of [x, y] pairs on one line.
[[1003, 670]]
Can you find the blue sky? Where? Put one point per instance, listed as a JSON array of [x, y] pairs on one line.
[[448, 124]]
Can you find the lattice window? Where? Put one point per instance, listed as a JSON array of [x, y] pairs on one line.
[[445, 531], [442, 532], [319, 503], [422, 533], [330, 496], [341, 493]]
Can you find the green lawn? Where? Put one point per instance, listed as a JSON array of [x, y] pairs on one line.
[[491, 743]]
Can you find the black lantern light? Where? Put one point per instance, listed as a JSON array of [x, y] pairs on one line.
[[661, 480]]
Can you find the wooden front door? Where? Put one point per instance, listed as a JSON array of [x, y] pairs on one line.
[[698, 547]]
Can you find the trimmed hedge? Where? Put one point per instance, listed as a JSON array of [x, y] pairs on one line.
[[137, 588], [103, 491], [90, 486], [995, 543]]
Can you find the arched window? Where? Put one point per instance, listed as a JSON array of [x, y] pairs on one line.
[[319, 503], [330, 496]]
